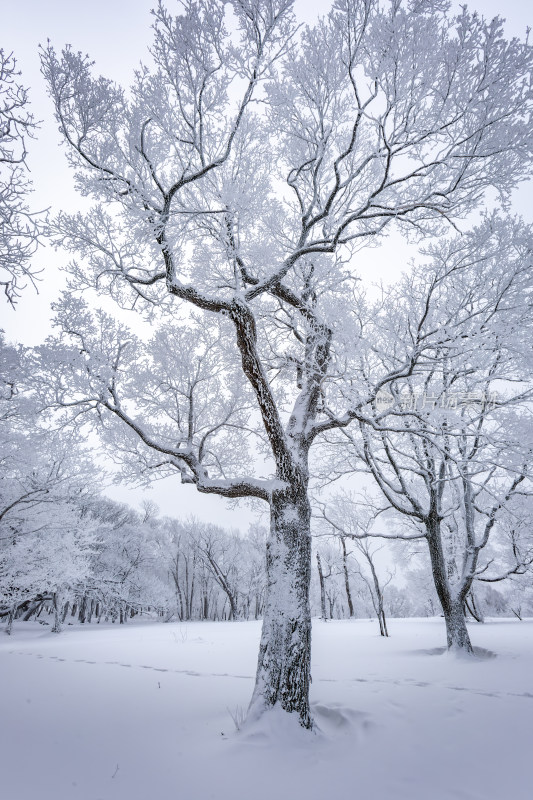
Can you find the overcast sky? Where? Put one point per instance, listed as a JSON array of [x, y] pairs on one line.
[[116, 34]]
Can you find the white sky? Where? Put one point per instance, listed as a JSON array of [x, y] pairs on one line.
[[116, 34]]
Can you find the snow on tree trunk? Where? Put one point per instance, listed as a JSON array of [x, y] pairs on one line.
[[456, 631], [58, 607], [283, 671], [452, 602]]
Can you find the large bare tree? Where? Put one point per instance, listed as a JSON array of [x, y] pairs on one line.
[[237, 177]]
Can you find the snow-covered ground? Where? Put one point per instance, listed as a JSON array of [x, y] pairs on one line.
[[145, 712]]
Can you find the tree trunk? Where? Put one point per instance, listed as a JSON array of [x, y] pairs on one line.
[[452, 603], [179, 593], [283, 670], [322, 587], [346, 577], [10, 618], [471, 607], [58, 607], [331, 603], [32, 610], [234, 612], [384, 622], [182, 612], [83, 609], [258, 606], [190, 595], [456, 630], [379, 598]]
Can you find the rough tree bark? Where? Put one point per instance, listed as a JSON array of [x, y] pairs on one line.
[[457, 637], [58, 608], [284, 663]]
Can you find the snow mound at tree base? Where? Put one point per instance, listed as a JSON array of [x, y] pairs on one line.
[[275, 727], [479, 652]]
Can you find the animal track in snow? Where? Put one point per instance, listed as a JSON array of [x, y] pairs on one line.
[[374, 680]]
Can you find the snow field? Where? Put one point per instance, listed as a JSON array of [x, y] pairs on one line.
[[147, 712]]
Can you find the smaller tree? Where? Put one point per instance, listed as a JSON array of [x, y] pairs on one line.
[[348, 520], [509, 558], [322, 578], [45, 539], [447, 444], [220, 552]]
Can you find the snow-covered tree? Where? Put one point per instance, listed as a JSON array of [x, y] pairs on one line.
[[349, 521], [18, 226], [44, 479], [449, 444], [509, 558], [237, 177], [45, 539]]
